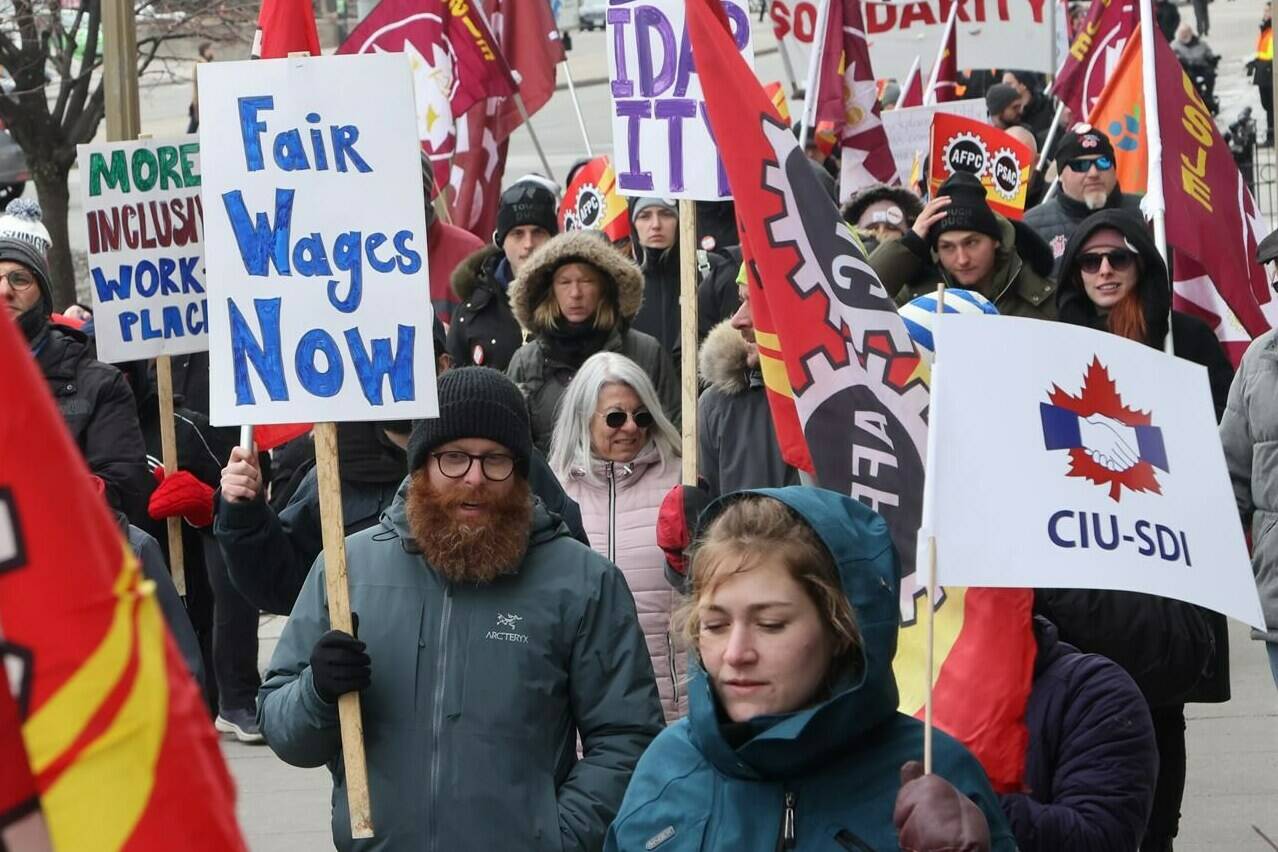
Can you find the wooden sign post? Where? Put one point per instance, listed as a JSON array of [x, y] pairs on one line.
[[688, 332]]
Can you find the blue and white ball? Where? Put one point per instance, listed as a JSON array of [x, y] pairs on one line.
[[920, 314]]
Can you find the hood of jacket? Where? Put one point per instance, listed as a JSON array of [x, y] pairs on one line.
[[792, 744], [532, 285], [476, 268], [723, 359], [1019, 245], [1072, 303]]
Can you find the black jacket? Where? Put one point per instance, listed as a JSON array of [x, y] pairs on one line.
[[98, 407], [1056, 220], [482, 323], [660, 315]]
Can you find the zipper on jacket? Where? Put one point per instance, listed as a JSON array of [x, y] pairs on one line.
[[437, 714], [612, 513], [787, 839], [674, 668]]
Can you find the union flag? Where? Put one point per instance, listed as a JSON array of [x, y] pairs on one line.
[[114, 733], [1094, 54], [284, 27], [1120, 113], [591, 202]]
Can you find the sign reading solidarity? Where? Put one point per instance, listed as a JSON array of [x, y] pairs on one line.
[[794, 24], [1000, 162], [145, 223], [1109, 472], [319, 306], [661, 135]]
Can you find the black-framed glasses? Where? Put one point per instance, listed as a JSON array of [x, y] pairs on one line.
[[1119, 259], [1083, 164], [496, 467], [19, 279], [617, 418]]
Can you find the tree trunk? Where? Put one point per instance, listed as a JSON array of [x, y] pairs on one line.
[[51, 187]]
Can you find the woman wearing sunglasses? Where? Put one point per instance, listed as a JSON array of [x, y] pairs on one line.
[[577, 296], [1113, 279], [617, 454]]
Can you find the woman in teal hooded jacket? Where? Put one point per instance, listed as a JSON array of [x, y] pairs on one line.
[[779, 752]]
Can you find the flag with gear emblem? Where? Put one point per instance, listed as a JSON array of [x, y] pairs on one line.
[[997, 159]]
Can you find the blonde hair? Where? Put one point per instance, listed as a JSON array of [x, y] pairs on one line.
[[755, 528], [547, 313]]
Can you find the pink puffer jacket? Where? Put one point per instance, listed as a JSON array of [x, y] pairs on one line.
[[620, 516]]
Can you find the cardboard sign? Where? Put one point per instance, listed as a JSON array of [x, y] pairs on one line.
[[145, 223], [1003, 34], [1108, 473], [910, 130], [1000, 162], [660, 134], [319, 299]]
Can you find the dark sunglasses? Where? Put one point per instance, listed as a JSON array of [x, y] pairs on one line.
[[1082, 164], [1119, 259], [617, 419]]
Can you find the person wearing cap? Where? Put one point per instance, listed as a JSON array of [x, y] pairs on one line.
[[881, 213], [1037, 109], [1249, 433], [1088, 174], [1003, 105], [972, 247], [94, 398], [488, 645], [484, 332]]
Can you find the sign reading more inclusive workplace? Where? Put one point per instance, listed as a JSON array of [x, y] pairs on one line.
[[145, 223], [660, 130], [1073, 458], [319, 305]]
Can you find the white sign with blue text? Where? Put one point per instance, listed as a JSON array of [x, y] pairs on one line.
[[1065, 457], [315, 241]]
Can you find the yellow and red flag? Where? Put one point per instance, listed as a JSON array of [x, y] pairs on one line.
[[1120, 113], [591, 202], [114, 730], [776, 93], [998, 160]]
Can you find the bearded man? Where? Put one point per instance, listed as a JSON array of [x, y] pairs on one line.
[[488, 642]]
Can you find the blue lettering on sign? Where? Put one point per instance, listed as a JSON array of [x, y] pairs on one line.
[[287, 148], [398, 366], [265, 356], [319, 382], [1070, 529], [259, 240], [175, 321]]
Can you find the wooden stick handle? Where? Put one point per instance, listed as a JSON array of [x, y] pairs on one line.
[[688, 335], [931, 659], [339, 617], [168, 445]]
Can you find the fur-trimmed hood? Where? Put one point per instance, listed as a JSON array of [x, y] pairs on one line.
[[911, 205], [473, 268], [527, 291], [722, 360]]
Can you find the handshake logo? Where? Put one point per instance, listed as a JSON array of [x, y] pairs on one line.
[[1108, 443]]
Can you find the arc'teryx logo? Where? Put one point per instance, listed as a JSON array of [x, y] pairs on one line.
[[506, 633]]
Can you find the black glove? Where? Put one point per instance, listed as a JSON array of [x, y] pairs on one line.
[[339, 664]]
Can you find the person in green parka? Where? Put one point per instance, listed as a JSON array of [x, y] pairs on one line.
[[793, 740]]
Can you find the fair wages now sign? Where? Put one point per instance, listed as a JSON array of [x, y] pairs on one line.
[[1063, 457], [318, 294]]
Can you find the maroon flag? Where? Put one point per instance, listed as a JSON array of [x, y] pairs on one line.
[[284, 27], [1213, 223], [1093, 54], [848, 97], [912, 88], [943, 87]]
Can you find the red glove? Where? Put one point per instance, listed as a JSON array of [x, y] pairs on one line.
[[677, 527], [181, 494], [931, 815]]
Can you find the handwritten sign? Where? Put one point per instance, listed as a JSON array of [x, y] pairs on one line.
[[660, 130], [909, 130], [319, 305], [145, 224]]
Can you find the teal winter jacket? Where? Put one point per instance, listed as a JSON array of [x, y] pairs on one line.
[[823, 778], [478, 695]]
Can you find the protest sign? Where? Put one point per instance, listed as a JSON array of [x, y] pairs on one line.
[[1003, 34], [319, 305], [1108, 472], [794, 24], [999, 161], [661, 134], [909, 130], [145, 232]]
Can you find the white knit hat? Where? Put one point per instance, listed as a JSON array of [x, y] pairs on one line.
[[22, 221]]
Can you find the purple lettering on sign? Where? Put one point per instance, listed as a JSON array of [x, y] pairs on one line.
[[674, 112], [650, 21], [724, 189], [622, 87], [633, 177]]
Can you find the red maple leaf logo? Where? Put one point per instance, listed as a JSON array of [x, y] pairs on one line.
[[1099, 395]]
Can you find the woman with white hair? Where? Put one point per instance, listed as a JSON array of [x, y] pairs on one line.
[[617, 454]]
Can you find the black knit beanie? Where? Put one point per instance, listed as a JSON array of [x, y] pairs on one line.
[[33, 321], [526, 202], [967, 211], [475, 402]]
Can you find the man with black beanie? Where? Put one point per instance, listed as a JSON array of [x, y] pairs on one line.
[[94, 398], [1003, 105], [974, 248], [489, 643], [1088, 173]]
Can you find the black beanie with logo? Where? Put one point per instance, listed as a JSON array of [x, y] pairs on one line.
[[967, 210], [526, 202]]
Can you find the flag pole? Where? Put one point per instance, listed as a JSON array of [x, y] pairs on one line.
[[688, 332], [929, 94], [931, 563], [1051, 137], [814, 74], [788, 64], [1154, 204], [527, 122], [900, 99], [576, 105]]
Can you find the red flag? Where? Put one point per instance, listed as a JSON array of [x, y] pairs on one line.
[[848, 97], [284, 27], [858, 385], [277, 434], [591, 202], [997, 159], [912, 88], [454, 58], [1094, 54], [22, 825], [943, 87], [116, 734]]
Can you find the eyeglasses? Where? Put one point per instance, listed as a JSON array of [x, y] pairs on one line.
[[496, 467], [1083, 164], [617, 419], [1119, 259], [19, 280]]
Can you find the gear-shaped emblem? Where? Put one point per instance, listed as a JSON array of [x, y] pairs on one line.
[[589, 208], [966, 152], [1005, 173]]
